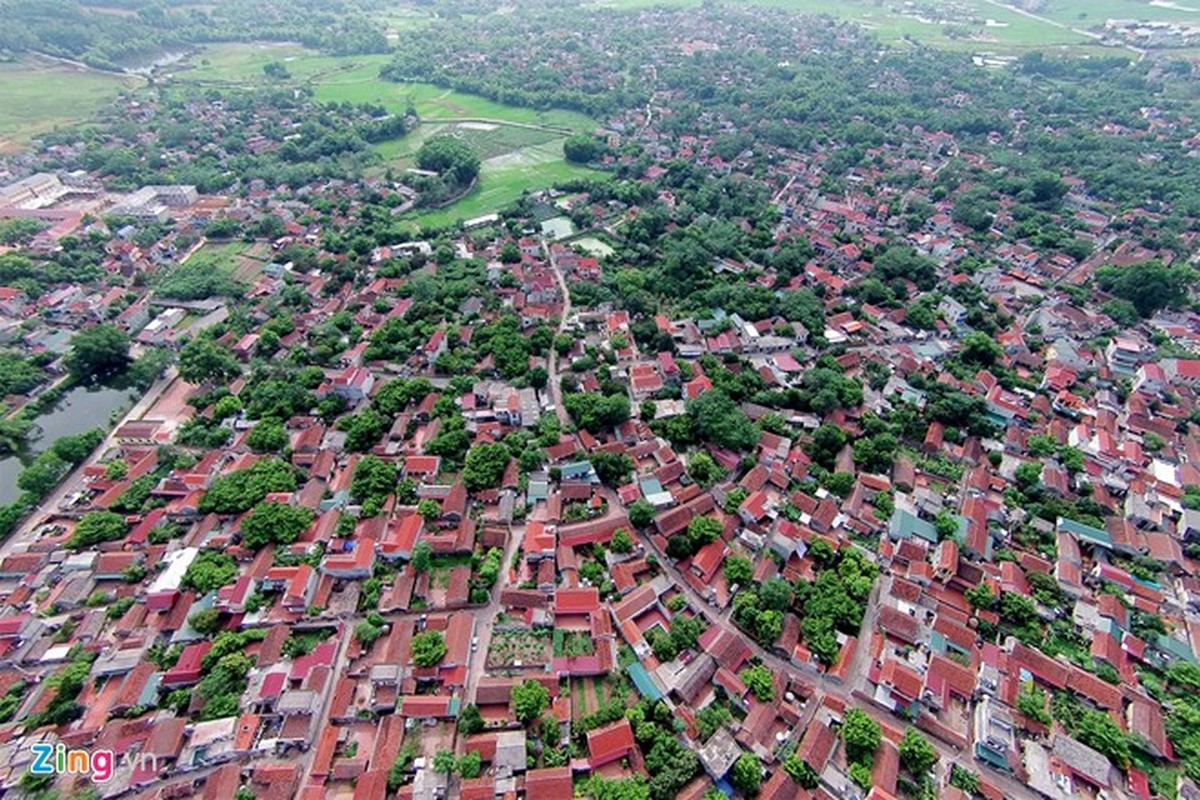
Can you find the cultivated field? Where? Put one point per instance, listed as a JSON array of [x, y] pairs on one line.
[[241, 261], [38, 95]]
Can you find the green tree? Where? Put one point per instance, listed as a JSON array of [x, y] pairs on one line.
[[1098, 731], [97, 352], [485, 466], [363, 429], [916, 753], [450, 157], [980, 596], [470, 721], [209, 571], [510, 253], [704, 470], [422, 556], [597, 412], [202, 360], [946, 525], [718, 419], [529, 699], [776, 594], [367, 632], [621, 542], [443, 761], [827, 441], [428, 648], [1028, 475], [703, 530], [268, 436], [206, 621], [96, 527], [747, 774], [862, 736], [274, 523], [641, 513], [876, 453], [738, 570], [964, 779], [242, 489], [1150, 285], [800, 772], [760, 682], [374, 479], [469, 764], [582, 148], [429, 509], [979, 349]]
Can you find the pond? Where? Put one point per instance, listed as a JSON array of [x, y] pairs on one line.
[[79, 410]]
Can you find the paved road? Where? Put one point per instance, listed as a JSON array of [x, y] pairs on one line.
[[339, 669], [485, 619], [552, 369]]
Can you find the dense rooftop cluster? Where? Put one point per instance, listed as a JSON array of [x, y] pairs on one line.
[[853, 456]]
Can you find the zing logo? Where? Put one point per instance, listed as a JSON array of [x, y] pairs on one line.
[[97, 764]]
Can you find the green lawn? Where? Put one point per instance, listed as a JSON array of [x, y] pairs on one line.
[[220, 256], [502, 180], [38, 95]]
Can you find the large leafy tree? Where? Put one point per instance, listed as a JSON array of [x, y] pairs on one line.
[[747, 774], [97, 352], [274, 523], [484, 466], [210, 570], [202, 360], [916, 753], [719, 420], [449, 157], [428, 648], [1150, 286], [861, 734], [529, 700], [96, 527]]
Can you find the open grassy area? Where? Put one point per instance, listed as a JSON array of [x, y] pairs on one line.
[[221, 256], [503, 179], [37, 95]]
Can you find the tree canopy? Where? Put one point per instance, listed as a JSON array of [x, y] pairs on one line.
[[98, 352]]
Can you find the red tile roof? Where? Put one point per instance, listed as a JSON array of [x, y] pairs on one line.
[[610, 743]]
